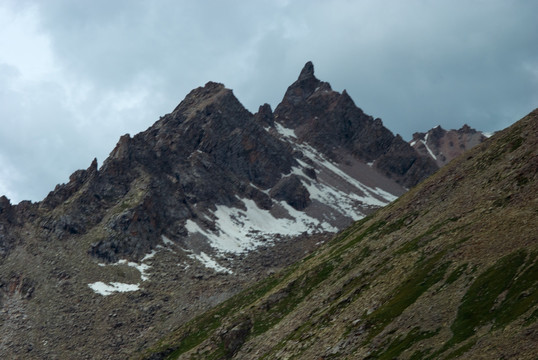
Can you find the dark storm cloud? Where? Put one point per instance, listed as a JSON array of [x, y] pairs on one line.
[[76, 75]]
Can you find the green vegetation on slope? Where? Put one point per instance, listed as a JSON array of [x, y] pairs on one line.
[[426, 274], [398, 345], [500, 294]]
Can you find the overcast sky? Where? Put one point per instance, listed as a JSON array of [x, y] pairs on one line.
[[76, 75]]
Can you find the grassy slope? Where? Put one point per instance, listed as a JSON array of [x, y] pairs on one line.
[[448, 270]]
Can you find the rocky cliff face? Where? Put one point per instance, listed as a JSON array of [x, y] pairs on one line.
[[181, 216], [443, 145], [211, 162]]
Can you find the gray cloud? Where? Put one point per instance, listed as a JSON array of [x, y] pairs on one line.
[[75, 75]]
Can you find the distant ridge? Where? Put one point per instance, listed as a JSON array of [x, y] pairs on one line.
[[444, 145]]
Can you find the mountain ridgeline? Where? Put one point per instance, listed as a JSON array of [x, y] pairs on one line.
[[449, 270], [443, 146], [211, 151], [212, 198]]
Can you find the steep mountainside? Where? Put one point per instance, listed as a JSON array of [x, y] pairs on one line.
[[444, 145], [449, 270], [181, 216], [332, 123]]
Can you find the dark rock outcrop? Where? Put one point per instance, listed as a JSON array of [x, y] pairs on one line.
[[402, 163], [291, 190]]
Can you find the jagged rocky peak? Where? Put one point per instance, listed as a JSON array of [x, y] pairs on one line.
[[307, 71], [444, 145], [265, 115], [122, 147], [5, 204], [200, 96], [466, 129], [332, 123], [211, 163], [304, 87]]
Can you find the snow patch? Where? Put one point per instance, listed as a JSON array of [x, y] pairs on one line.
[[290, 133], [343, 202], [114, 287], [167, 241], [107, 289], [369, 197], [149, 256], [210, 263], [142, 268], [239, 230]]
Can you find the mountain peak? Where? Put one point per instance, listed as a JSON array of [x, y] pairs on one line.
[[211, 85], [307, 72], [4, 203], [466, 129], [331, 122], [202, 95], [303, 87]]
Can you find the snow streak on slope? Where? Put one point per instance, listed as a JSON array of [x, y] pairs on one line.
[[210, 263], [240, 230], [427, 148], [371, 196], [331, 194], [287, 133]]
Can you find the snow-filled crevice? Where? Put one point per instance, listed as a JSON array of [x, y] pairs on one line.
[[427, 148], [285, 132]]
